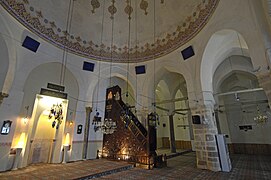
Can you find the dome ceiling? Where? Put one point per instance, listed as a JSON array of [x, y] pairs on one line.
[[92, 22]]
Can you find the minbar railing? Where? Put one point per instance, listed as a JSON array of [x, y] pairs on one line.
[[134, 119], [149, 161], [134, 125]]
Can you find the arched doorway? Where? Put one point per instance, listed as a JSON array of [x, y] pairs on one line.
[[47, 135], [240, 101], [174, 130], [182, 119], [230, 75], [38, 104]]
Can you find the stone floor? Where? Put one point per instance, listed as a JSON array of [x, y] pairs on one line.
[[245, 167]]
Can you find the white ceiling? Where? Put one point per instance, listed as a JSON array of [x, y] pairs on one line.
[[87, 31]]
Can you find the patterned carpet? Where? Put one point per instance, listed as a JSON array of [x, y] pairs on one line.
[[245, 167], [75, 170]]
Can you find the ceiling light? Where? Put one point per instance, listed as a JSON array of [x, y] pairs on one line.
[[237, 97]]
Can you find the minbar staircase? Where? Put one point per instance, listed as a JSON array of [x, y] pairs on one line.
[[130, 140], [133, 124]]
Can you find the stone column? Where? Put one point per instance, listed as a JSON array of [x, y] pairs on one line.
[[204, 139], [264, 80], [2, 96], [189, 116], [86, 132], [172, 135], [17, 158], [65, 153]]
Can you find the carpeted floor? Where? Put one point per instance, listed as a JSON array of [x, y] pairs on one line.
[[245, 167], [73, 170]]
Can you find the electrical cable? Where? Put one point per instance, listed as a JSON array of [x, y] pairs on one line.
[[154, 61], [64, 55], [128, 59], [112, 42], [100, 59]]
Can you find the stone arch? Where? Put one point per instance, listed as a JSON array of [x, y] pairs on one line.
[[43, 74], [8, 57], [240, 77], [37, 79], [221, 45], [169, 86], [150, 84], [4, 62], [230, 65], [162, 72], [104, 80], [239, 100], [116, 79]]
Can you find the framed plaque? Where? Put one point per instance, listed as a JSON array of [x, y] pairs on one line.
[[6, 127], [79, 129]]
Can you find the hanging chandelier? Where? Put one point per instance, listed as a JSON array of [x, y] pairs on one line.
[[260, 118], [108, 126], [56, 113]]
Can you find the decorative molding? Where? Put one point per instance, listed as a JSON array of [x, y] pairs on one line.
[[95, 5], [128, 9], [144, 6], [112, 9], [86, 48]]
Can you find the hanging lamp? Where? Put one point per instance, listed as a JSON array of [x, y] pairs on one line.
[[108, 126]]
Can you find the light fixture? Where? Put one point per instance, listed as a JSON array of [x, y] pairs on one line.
[[21, 141], [260, 119], [153, 119], [56, 113], [97, 121], [236, 97], [67, 140], [108, 126], [154, 114], [71, 123], [25, 118], [125, 113]]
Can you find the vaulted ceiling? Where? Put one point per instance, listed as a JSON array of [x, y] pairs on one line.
[[114, 30]]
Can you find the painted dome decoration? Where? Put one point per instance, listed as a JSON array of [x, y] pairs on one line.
[[176, 22]]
